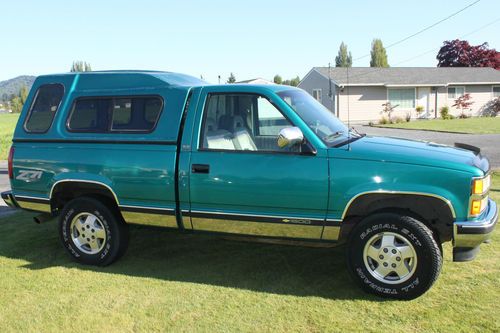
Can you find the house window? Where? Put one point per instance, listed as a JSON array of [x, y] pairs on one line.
[[455, 92], [317, 94], [496, 91], [403, 98]]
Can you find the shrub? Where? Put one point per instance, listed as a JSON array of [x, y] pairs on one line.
[[384, 121], [445, 112], [462, 116], [492, 108], [388, 108], [397, 120], [419, 109]]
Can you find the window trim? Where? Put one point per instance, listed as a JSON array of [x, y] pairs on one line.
[[320, 94], [28, 116], [404, 88], [201, 131], [493, 91], [110, 130], [455, 96]]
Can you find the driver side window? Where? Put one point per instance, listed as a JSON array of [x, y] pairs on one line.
[[245, 122]]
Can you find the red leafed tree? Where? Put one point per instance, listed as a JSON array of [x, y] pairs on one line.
[[459, 53], [463, 103]]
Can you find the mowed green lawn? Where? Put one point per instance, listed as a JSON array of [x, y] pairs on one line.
[[7, 125], [180, 282], [480, 125]]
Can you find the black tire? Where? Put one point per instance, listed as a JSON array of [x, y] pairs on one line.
[[109, 223], [406, 231]]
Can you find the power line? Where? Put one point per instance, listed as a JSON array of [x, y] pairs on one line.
[[461, 37], [424, 29], [377, 69]]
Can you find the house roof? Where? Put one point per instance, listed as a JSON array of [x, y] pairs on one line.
[[410, 76]]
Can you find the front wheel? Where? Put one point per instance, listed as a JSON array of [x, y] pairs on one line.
[[92, 233], [393, 256]]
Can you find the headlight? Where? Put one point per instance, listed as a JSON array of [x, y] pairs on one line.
[[481, 186]]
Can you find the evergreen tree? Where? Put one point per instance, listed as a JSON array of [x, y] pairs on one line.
[[379, 55], [343, 59], [231, 78], [80, 66], [278, 79]]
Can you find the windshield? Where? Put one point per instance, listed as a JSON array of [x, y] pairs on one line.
[[319, 119]]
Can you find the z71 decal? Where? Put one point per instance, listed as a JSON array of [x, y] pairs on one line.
[[29, 175]]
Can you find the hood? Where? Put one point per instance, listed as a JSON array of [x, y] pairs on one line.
[[406, 151]]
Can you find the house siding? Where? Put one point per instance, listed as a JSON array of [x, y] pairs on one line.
[[315, 80], [365, 102]]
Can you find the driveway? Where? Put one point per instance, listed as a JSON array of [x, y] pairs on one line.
[[4, 186], [489, 143]]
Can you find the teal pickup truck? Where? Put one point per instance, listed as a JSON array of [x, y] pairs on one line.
[[102, 150]]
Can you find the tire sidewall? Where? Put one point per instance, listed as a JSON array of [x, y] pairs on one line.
[[421, 279], [108, 221]]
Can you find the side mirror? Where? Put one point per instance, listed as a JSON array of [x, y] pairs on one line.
[[289, 137]]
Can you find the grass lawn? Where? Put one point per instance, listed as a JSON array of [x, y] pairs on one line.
[[180, 282], [7, 124], [480, 125]]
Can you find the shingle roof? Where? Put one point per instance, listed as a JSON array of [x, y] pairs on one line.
[[411, 75]]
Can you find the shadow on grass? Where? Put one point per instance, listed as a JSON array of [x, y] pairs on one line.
[[194, 258]]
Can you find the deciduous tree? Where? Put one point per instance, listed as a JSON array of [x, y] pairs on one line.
[[463, 103], [459, 53]]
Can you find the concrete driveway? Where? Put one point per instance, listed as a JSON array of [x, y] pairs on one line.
[[4, 185], [489, 143]]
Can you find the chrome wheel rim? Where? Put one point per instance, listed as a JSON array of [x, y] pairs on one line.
[[390, 258], [88, 233]]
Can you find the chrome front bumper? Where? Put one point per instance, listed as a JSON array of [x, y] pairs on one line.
[[468, 235]]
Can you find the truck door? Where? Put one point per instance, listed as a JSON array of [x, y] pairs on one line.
[[242, 182]]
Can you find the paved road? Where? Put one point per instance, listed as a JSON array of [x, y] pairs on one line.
[[489, 143]]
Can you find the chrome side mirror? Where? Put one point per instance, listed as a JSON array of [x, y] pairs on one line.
[[289, 137]]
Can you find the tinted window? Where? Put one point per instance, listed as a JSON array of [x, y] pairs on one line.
[[42, 112], [129, 114]]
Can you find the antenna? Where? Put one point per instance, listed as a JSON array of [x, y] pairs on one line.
[[348, 112], [330, 93]]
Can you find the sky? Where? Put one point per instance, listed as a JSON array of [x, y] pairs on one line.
[[253, 38]]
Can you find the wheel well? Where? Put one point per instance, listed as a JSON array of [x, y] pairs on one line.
[[432, 211], [64, 192]]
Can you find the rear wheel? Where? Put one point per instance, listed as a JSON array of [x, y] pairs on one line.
[[92, 233], [393, 256]]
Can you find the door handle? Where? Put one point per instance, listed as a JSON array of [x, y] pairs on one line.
[[200, 168]]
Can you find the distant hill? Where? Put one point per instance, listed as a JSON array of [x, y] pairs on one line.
[[12, 86]]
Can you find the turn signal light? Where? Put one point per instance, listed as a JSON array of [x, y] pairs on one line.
[[475, 207]]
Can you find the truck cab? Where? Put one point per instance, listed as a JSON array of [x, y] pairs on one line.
[[103, 150]]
